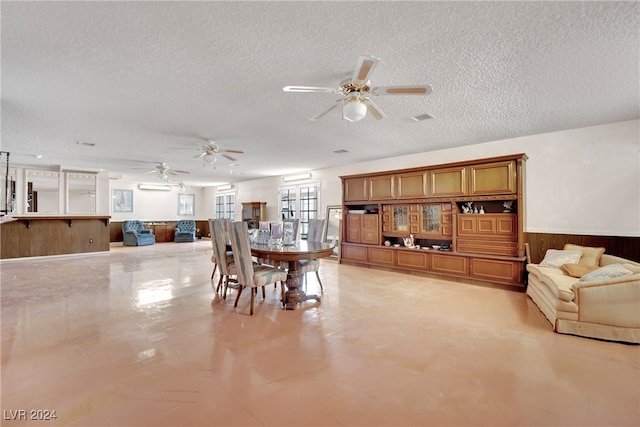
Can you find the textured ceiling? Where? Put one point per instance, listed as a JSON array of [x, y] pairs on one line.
[[138, 79]]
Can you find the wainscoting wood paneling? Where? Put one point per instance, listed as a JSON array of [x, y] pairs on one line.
[[625, 247], [163, 234]]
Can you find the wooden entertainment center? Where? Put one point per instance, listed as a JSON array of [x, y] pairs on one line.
[[383, 209]]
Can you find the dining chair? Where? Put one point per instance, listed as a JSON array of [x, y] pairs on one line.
[[315, 230], [250, 275], [296, 225], [224, 259]]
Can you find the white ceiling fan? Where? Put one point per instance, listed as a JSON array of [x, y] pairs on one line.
[[356, 92], [209, 151], [163, 171]]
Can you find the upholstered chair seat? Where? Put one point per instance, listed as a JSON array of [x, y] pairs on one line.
[[134, 234], [185, 231]]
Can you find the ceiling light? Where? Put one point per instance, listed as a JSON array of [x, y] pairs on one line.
[[163, 175], [297, 177], [354, 109], [156, 187], [210, 158]]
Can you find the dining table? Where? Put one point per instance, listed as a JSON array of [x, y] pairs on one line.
[[292, 254]]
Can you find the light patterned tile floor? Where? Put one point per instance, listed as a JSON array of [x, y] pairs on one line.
[[137, 337]]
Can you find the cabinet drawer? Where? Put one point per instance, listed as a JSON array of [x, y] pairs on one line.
[[382, 256], [355, 253], [491, 247], [497, 270], [450, 264], [414, 260]]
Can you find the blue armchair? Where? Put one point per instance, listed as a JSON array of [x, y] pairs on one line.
[[134, 234], [185, 231]]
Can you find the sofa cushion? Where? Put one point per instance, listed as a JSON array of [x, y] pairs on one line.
[[555, 280], [634, 268], [607, 272], [590, 256], [578, 270], [555, 258]]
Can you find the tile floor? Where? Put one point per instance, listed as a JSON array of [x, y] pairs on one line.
[[136, 337]]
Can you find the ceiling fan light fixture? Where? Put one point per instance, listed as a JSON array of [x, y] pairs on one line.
[[163, 175], [354, 110], [209, 159]]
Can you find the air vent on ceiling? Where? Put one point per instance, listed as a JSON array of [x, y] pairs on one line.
[[422, 117]]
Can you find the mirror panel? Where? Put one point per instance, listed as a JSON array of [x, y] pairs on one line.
[[333, 228], [43, 191], [81, 192]]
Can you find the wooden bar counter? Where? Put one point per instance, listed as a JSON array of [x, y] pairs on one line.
[[39, 235]]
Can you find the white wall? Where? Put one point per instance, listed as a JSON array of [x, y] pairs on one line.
[[151, 205], [580, 181]]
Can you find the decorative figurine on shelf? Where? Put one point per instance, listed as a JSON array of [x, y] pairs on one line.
[[475, 210], [481, 209], [467, 207], [409, 242], [508, 206]]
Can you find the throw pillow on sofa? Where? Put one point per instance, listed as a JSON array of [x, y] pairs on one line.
[[578, 270], [590, 256], [607, 272], [556, 258]]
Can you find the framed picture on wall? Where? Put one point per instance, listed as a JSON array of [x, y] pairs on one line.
[[122, 200], [186, 204]]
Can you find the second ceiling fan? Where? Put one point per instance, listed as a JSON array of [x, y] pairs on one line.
[[209, 151], [356, 92]]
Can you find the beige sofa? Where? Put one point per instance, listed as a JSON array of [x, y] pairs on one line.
[[583, 291]]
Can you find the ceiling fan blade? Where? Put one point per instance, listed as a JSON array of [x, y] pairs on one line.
[[364, 68], [325, 111], [403, 90], [176, 172], [234, 151], [314, 89], [197, 156], [226, 156], [374, 110], [148, 172]]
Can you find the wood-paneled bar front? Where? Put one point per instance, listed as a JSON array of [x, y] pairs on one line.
[[39, 235], [473, 209]]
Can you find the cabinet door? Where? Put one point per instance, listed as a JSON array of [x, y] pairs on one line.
[[369, 233], [355, 253], [415, 260], [356, 189], [382, 256], [412, 185], [450, 264], [466, 225], [497, 270], [354, 222], [431, 221], [448, 182], [506, 226], [400, 218], [493, 178], [382, 187]]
